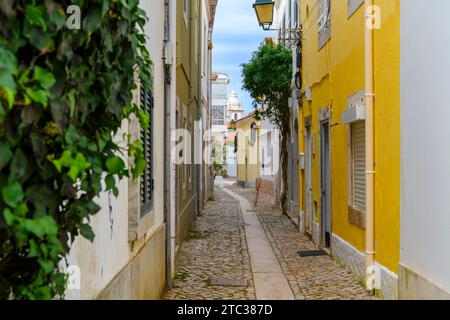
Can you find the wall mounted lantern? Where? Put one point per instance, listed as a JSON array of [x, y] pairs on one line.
[[264, 10], [264, 13]]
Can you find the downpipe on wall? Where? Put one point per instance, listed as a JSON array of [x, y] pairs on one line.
[[371, 270], [169, 174]]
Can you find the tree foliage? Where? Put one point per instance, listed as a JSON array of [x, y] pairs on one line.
[[267, 77], [63, 97]]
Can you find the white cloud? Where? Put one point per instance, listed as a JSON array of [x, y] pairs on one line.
[[225, 48], [236, 17], [227, 68]]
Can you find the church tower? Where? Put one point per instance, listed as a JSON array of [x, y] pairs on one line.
[[234, 110]]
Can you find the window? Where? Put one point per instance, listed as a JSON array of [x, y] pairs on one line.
[[236, 117], [270, 151], [358, 166], [186, 11], [183, 164], [324, 18], [147, 182], [205, 51], [290, 14], [196, 40], [296, 14], [218, 115], [253, 133], [189, 164], [353, 5]]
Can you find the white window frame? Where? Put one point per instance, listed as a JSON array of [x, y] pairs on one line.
[[252, 133], [186, 12], [324, 22], [216, 110], [196, 40], [353, 6]]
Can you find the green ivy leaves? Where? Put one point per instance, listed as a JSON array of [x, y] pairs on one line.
[[35, 15], [44, 77], [115, 165], [63, 97], [12, 194], [76, 164], [44, 80], [5, 154], [8, 70]]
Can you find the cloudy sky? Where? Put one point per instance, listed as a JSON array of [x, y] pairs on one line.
[[236, 35]]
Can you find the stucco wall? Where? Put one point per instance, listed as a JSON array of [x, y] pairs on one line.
[[143, 278], [100, 261], [111, 252], [387, 135], [247, 172], [189, 96], [425, 163], [334, 73]]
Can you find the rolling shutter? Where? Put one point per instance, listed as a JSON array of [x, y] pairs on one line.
[[359, 165], [147, 182]]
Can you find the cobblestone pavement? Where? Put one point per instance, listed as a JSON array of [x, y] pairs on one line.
[[314, 278], [217, 248]]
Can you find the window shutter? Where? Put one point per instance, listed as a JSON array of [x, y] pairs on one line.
[[359, 165], [147, 182]]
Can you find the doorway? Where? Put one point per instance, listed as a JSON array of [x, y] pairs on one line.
[[294, 172], [325, 184], [308, 181]]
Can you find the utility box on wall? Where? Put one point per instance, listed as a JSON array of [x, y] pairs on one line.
[[301, 159]]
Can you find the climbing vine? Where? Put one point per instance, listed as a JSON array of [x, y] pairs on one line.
[[64, 93]]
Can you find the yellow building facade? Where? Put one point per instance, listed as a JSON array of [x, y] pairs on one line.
[[188, 59], [247, 151], [333, 135]]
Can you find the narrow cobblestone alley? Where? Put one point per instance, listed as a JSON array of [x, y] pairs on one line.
[[217, 248]]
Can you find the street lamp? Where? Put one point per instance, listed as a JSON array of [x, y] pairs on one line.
[[264, 13], [290, 37]]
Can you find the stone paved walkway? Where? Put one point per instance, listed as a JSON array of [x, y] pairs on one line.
[[217, 248]]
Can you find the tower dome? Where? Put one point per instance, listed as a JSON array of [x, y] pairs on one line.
[[234, 101], [235, 111]]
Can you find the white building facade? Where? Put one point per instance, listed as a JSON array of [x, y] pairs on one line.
[[220, 82], [269, 160], [133, 253], [425, 162], [286, 16], [130, 230]]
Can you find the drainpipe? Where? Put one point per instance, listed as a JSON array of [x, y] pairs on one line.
[[210, 195], [370, 167], [169, 124], [198, 167]]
